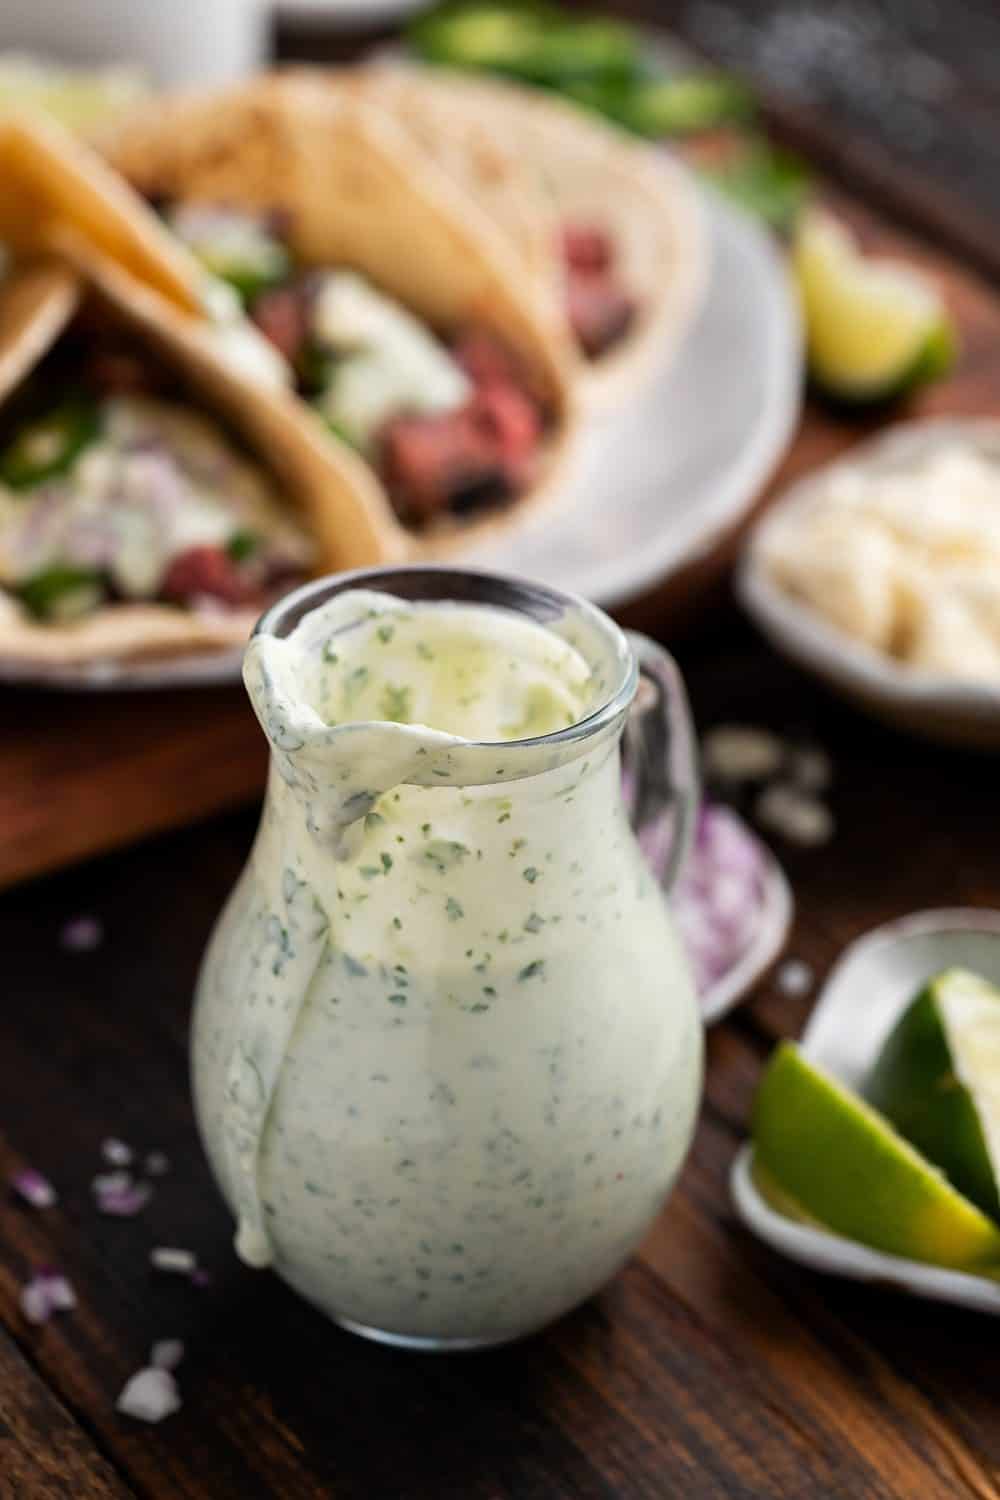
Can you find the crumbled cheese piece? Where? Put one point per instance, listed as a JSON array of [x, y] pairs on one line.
[[740, 752], [794, 814]]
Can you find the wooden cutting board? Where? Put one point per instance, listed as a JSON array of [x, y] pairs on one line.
[[85, 773]]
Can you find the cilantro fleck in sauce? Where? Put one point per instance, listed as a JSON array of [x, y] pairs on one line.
[[446, 1051]]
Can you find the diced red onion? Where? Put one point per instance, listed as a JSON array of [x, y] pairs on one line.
[[169, 1258], [166, 1354], [33, 1188], [35, 1302], [116, 1152], [157, 1164], [47, 1292], [82, 935], [126, 1202], [150, 1395], [719, 897], [61, 1295]]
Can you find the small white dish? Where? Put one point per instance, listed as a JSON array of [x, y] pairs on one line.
[[937, 707], [776, 915], [867, 989]]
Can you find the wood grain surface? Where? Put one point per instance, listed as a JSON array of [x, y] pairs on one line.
[[711, 1369]]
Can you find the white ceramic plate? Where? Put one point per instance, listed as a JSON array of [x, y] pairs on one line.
[[658, 483], [932, 705], [862, 999]]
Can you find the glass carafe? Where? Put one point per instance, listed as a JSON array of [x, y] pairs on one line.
[[446, 1050]]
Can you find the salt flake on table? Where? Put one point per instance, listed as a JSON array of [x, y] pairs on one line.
[[82, 935], [33, 1188], [795, 815], [116, 1152], [166, 1354], [740, 752], [795, 978], [150, 1395], [169, 1258]]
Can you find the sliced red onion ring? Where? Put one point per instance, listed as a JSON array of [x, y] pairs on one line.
[[150, 1395], [33, 1188]]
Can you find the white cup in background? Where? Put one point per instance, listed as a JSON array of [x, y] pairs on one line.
[[176, 41]]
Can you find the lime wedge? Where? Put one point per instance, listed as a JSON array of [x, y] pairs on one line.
[[938, 1080], [835, 1161], [82, 99], [874, 328]]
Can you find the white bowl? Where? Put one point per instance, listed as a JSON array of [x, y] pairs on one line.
[[866, 992], [935, 706]]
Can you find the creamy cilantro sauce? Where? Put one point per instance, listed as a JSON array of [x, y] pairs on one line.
[[446, 1051]]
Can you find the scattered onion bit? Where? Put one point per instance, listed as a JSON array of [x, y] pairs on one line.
[[150, 1395], [33, 1188], [116, 1152], [82, 935], [123, 1201], [47, 1292], [740, 752], [157, 1164]]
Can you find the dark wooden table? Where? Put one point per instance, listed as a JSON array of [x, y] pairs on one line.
[[710, 1368]]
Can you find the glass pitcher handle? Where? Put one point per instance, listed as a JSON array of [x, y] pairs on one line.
[[660, 762]]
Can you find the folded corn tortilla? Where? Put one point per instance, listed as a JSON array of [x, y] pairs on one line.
[[353, 192], [330, 491]]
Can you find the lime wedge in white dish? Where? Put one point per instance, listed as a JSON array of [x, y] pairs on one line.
[[825, 1155], [874, 328], [938, 1080], [866, 992]]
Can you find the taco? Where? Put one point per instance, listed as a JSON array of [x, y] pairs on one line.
[[151, 503], [398, 307], [610, 228]]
